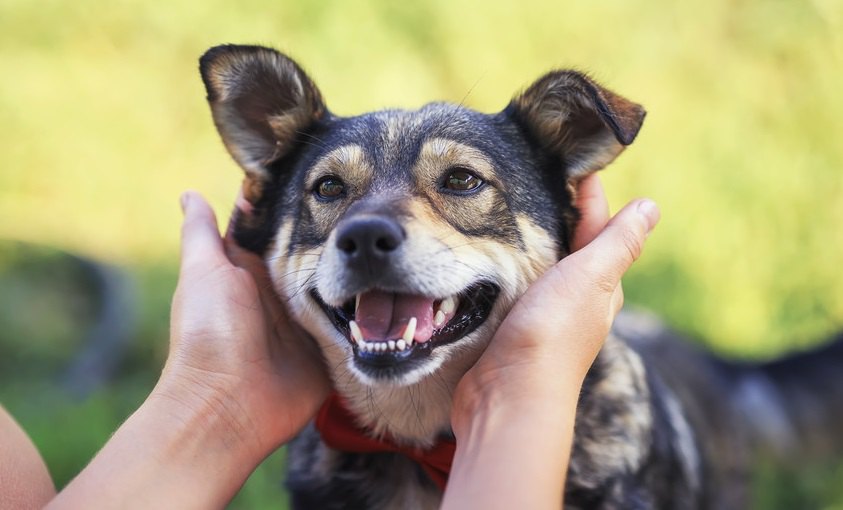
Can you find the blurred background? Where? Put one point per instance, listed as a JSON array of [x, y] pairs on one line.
[[103, 123]]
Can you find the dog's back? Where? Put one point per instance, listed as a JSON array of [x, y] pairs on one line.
[[785, 411]]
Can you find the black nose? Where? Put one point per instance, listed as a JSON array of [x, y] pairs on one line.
[[369, 239]]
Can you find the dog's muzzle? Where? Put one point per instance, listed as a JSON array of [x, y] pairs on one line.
[[392, 329]]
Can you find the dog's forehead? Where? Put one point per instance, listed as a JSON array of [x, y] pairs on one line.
[[393, 139]]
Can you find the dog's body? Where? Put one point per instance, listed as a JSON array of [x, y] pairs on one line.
[[400, 239]]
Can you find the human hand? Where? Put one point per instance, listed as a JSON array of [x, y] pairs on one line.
[[233, 351], [239, 381], [517, 405], [552, 335]]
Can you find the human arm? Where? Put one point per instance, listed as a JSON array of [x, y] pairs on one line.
[[24, 482], [514, 411], [239, 381]]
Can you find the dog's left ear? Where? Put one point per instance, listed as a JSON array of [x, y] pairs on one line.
[[572, 117], [262, 103]]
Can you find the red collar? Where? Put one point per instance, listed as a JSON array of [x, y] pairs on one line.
[[339, 431]]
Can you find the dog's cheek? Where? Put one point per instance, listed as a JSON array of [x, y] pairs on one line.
[[278, 260], [330, 273], [291, 273], [541, 250], [334, 346]]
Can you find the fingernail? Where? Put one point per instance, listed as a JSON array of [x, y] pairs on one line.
[[183, 201], [650, 211]]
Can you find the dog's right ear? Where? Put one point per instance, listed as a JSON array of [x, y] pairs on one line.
[[261, 100]]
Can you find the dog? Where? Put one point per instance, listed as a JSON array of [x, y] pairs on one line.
[[400, 239]]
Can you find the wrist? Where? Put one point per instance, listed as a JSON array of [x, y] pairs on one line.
[[534, 434], [513, 395], [177, 450], [209, 406]]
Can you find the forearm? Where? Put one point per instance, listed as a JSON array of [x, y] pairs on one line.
[[168, 454], [24, 479], [521, 447]]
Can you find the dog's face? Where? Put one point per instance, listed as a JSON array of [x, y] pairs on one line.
[[399, 238]]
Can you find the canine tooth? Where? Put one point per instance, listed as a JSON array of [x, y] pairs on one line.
[[448, 305], [401, 344], [410, 332], [356, 302], [356, 334], [438, 319], [391, 344]]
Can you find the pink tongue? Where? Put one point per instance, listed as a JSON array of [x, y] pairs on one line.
[[384, 315]]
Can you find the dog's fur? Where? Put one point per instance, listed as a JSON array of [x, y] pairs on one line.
[[659, 425]]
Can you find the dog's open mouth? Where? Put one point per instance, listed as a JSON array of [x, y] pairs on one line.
[[386, 328]]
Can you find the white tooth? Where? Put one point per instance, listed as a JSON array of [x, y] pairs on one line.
[[391, 345], [448, 305], [356, 303], [410, 332], [438, 319], [382, 346], [356, 334], [401, 344]]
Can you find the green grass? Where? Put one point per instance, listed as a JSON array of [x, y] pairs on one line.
[[103, 123]]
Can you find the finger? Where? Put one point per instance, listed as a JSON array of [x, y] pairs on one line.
[[618, 245], [594, 208], [243, 258], [201, 244], [617, 301], [247, 260], [256, 267], [241, 207]]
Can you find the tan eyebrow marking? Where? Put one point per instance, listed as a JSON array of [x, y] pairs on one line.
[[348, 161], [439, 154]]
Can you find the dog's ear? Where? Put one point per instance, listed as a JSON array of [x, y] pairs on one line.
[[261, 100], [572, 117]]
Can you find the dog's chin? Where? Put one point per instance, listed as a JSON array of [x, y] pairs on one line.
[[397, 359]]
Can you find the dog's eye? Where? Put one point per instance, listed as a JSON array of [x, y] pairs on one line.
[[329, 188], [460, 180]]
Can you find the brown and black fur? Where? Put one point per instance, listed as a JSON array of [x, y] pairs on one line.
[[659, 424]]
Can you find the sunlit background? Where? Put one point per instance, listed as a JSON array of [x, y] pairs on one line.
[[103, 123]]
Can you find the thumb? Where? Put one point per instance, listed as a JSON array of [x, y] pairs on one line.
[[618, 245], [201, 245]]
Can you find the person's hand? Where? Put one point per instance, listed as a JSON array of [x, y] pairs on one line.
[[232, 345], [513, 412], [560, 323], [239, 381]]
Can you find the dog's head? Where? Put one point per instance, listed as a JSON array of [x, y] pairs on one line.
[[400, 238]]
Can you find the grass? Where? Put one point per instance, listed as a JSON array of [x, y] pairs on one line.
[[103, 123]]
